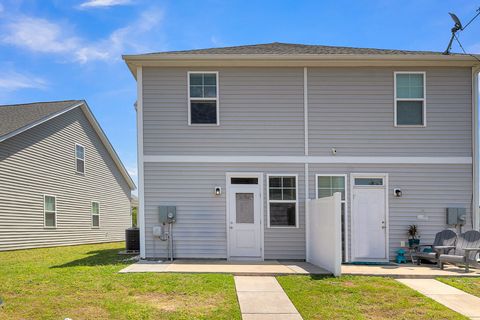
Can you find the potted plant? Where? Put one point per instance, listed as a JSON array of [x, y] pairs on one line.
[[413, 239]]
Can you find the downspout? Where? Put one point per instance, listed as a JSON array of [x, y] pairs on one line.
[[305, 115], [475, 149], [141, 190]]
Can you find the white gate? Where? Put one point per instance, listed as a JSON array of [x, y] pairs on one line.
[[325, 233]]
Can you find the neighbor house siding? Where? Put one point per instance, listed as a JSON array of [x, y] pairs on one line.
[[261, 113], [200, 229], [352, 110], [42, 161]]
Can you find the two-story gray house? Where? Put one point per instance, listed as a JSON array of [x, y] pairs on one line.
[[238, 139], [61, 181]]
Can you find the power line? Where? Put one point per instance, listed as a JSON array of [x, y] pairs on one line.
[[463, 49]]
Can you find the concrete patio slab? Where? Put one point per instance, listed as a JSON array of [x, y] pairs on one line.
[[423, 271], [263, 298], [222, 266], [457, 300]]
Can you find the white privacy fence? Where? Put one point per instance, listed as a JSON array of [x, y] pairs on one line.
[[325, 233]]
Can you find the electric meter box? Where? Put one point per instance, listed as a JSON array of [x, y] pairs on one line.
[[456, 216], [167, 214]]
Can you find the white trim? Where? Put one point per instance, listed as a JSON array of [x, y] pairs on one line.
[[282, 201], [346, 215], [228, 177], [77, 158], [307, 159], [44, 212], [305, 107], [92, 214], [217, 99], [396, 99], [140, 160], [387, 209], [475, 149]]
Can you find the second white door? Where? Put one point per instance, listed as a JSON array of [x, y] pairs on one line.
[[369, 221]]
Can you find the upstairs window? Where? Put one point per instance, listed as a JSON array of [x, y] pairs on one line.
[[410, 99], [203, 98], [95, 214], [50, 211], [282, 201], [80, 158]]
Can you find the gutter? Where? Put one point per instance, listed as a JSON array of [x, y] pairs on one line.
[[475, 149]]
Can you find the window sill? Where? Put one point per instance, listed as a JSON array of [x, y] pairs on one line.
[[95, 227], [51, 228], [204, 125], [80, 173], [410, 126]]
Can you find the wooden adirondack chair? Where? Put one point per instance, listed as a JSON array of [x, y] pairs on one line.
[[442, 239], [465, 252]]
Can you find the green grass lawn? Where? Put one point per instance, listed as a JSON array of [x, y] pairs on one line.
[[355, 297], [470, 285], [81, 282]]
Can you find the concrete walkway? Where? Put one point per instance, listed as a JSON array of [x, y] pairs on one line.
[[451, 297], [244, 268], [425, 271], [262, 298]]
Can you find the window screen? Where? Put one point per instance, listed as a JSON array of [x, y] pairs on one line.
[[203, 98], [409, 99], [282, 201]]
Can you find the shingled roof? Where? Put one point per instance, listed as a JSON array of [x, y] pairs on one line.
[[291, 48], [17, 118]]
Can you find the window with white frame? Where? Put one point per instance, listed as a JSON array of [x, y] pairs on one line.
[[203, 98], [327, 185], [282, 201], [410, 108], [95, 214], [80, 158], [50, 211]]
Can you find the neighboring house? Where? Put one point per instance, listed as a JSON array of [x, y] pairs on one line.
[[274, 125], [61, 181]]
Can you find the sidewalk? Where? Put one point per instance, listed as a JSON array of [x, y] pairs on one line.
[[262, 298], [453, 298]]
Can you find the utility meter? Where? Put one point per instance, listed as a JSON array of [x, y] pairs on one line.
[[167, 214]]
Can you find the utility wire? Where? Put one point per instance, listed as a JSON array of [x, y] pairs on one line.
[[463, 49], [478, 10]]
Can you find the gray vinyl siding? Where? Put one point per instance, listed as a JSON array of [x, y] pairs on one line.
[[427, 190], [200, 230], [42, 161], [261, 113], [352, 110]]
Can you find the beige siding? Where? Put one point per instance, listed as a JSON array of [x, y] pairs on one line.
[[200, 231], [261, 113], [42, 161], [351, 109]]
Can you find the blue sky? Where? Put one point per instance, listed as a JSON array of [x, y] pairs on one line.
[[57, 50]]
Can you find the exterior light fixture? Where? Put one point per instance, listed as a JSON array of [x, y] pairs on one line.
[[218, 191], [397, 193]]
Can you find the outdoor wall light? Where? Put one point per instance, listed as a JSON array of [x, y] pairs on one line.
[[397, 193], [218, 191]]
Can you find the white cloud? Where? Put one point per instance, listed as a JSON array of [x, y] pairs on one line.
[[103, 3], [38, 35], [11, 80], [43, 36]]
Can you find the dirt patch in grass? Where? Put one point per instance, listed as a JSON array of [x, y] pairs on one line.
[[173, 302], [87, 312]]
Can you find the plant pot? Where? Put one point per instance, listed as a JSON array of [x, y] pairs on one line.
[[412, 242]]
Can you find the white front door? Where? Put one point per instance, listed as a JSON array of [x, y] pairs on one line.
[[244, 221], [369, 218]]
